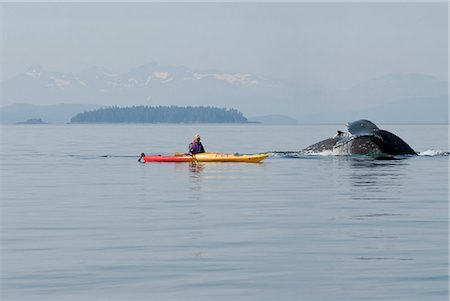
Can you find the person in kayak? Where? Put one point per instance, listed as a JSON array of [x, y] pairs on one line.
[[196, 147]]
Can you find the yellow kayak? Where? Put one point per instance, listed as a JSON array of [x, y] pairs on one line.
[[217, 157]]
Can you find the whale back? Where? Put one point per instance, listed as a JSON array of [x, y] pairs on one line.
[[394, 145], [363, 137], [321, 146], [362, 127]]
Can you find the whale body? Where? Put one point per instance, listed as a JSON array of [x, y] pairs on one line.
[[363, 137]]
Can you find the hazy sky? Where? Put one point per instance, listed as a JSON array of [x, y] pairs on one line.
[[332, 44]]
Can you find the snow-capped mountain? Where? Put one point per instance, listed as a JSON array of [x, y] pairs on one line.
[[418, 98], [149, 84]]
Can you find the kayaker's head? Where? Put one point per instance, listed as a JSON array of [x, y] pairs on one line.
[[197, 138]]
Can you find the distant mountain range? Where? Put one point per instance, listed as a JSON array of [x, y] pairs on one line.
[[148, 84], [395, 97]]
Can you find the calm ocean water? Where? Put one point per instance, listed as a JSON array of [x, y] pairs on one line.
[[81, 219]]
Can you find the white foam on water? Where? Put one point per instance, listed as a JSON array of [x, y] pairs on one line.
[[433, 153], [324, 153]]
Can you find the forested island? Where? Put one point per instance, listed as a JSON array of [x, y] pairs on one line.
[[160, 114], [32, 121]]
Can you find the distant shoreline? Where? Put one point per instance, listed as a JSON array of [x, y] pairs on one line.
[[160, 114]]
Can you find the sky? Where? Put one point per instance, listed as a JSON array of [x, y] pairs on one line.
[[331, 44]]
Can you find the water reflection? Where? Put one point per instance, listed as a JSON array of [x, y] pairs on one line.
[[195, 177], [365, 182], [372, 204], [196, 169], [367, 175]]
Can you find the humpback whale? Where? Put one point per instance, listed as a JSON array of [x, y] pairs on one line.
[[363, 137]]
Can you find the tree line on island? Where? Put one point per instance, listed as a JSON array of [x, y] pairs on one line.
[[160, 114]]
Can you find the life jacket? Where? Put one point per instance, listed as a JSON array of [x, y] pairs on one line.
[[195, 148]]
